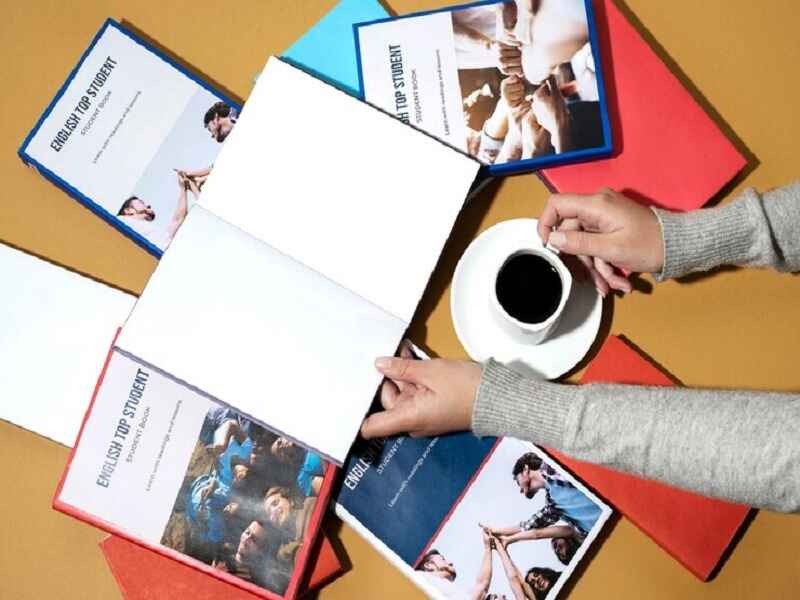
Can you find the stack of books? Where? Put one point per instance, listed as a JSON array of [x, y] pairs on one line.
[[225, 417]]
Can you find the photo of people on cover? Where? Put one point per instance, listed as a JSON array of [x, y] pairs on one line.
[[175, 176], [246, 500], [516, 533], [528, 79]]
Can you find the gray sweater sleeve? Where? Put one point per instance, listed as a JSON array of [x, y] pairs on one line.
[[753, 230], [743, 446]]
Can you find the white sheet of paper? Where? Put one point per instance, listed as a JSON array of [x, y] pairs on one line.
[[56, 328], [305, 259], [340, 186], [257, 330]]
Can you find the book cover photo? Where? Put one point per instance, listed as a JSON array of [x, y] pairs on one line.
[[166, 468], [131, 135], [517, 88], [492, 517]]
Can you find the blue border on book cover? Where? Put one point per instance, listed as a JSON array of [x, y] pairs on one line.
[[71, 190], [530, 164]]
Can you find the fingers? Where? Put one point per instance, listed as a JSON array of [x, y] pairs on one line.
[[389, 394], [405, 370], [615, 281], [599, 282], [586, 208], [581, 243], [399, 419]]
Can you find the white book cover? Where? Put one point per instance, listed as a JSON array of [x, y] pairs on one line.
[[55, 330], [463, 495], [132, 135], [306, 269], [163, 466]]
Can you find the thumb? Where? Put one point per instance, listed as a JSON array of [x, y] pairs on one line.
[[582, 243], [403, 369], [389, 422]]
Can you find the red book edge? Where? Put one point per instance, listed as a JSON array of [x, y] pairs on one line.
[[596, 373], [133, 567], [314, 525], [601, 9]]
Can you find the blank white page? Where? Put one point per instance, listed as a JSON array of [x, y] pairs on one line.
[[258, 331], [342, 187], [56, 328]]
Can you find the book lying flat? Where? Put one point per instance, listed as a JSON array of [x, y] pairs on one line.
[[668, 150], [162, 466], [450, 486], [518, 89], [55, 317], [301, 270], [131, 134], [145, 575], [328, 49], [659, 510]]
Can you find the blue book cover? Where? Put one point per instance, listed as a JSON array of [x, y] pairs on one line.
[[132, 135], [519, 88], [440, 508], [469, 517]]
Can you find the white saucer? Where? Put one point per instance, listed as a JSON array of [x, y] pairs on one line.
[[478, 329]]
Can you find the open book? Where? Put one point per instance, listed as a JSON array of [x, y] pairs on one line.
[[290, 276]]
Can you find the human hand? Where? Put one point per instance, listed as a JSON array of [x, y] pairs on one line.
[[535, 138], [512, 90], [207, 490], [487, 538], [509, 58], [604, 230], [550, 108], [424, 397]]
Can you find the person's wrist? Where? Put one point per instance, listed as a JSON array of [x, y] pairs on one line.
[[657, 249]]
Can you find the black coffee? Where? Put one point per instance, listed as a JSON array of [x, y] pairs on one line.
[[528, 288]]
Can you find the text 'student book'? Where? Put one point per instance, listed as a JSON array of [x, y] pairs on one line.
[[162, 466], [519, 88], [454, 488], [301, 269], [132, 135]]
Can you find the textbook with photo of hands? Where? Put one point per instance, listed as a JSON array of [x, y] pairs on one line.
[[132, 135], [469, 517], [518, 85]]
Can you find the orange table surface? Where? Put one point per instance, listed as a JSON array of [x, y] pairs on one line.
[[735, 328]]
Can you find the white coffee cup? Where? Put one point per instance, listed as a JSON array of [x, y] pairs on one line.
[[531, 332]]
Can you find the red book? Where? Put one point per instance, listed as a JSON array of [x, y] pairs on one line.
[[667, 150], [145, 575], [170, 470], [694, 529]]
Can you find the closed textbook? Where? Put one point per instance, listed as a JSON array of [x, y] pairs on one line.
[[124, 128]]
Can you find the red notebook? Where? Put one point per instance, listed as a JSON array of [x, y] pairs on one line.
[[145, 575], [667, 150], [167, 468], [659, 510]]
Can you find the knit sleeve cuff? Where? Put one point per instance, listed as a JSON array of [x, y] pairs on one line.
[[703, 239], [510, 404]]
